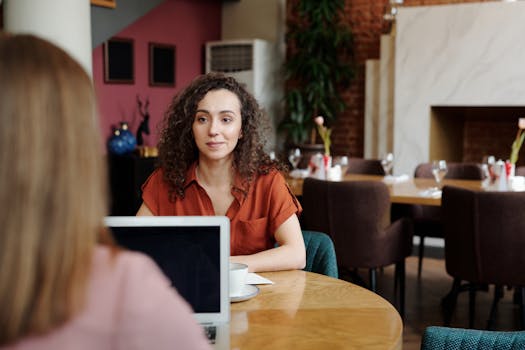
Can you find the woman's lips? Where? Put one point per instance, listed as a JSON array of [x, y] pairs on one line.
[[214, 144]]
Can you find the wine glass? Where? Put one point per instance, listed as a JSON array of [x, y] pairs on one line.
[[342, 161], [439, 170], [388, 163], [487, 166], [294, 157]]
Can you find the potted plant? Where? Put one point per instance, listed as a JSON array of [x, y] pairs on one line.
[[319, 65]]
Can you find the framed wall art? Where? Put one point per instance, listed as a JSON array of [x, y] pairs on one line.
[[118, 61], [162, 64]]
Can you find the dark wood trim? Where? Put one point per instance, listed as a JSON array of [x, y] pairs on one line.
[[105, 3]]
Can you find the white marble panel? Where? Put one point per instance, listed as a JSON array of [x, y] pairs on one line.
[[453, 55], [371, 108], [386, 95]]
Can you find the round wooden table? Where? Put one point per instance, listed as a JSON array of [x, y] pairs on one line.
[[304, 310]]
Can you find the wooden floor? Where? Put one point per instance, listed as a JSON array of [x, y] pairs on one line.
[[424, 296]]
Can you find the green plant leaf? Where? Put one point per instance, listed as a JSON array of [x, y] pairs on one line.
[[319, 65]]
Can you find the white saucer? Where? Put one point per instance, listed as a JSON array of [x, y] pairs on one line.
[[248, 292]]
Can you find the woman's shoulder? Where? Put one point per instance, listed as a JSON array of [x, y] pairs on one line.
[[122, 277], [155, 180], [132, 301], [270, 181], [270, 175], [118, 261], [116, 270]]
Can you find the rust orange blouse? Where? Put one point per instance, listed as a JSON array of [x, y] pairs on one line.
[[254, 217]]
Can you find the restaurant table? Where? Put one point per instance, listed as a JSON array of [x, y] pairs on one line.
[[305, 310], [406, 191]]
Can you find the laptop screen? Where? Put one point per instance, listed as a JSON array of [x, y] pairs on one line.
[[187, 251]]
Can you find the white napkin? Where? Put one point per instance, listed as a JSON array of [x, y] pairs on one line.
[[431, 192], [517, 183], [253, 278], [299, 173], [389, 179]]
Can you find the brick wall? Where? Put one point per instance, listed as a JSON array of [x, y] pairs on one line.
[[366, 20], [480, 139]]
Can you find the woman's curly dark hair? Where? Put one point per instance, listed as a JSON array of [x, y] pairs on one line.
[[177, 148]]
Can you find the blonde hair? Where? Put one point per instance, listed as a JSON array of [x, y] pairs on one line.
[[52, 186]]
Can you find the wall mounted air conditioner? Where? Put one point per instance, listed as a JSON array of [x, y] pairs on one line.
[[256, 64]]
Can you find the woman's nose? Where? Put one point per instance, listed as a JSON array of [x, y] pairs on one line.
[[213, 130]]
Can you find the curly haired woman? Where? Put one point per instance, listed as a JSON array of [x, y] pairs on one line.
[[212, 162]]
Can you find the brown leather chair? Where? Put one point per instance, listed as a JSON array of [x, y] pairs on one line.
[[365, 166], [356, 215], [314, 202], [427, 219], [484, 244]]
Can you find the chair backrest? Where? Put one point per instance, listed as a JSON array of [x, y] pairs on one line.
[[320, 254], [359, 225], [457, 213], [484, 235], [463, 171], [365, 166], [446, 338], [314, 202]]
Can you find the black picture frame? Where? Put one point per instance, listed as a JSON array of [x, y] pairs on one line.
[[118, 61], [162, 59]]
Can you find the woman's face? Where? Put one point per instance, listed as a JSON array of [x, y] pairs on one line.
[[217, 124]]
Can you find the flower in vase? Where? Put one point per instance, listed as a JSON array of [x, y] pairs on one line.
[[324, 132], [516, 145]]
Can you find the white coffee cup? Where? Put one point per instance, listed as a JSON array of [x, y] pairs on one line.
[[238, 273]]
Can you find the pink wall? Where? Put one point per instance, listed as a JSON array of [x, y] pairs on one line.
[[187, 24]]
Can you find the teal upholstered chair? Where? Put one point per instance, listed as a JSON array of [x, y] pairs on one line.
[[320, 254], [441, 338]]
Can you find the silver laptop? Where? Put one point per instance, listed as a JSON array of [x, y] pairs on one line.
[[193, 251]]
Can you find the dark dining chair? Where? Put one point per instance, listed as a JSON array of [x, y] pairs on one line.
[[356, 215], [315, 206], [484, 245], [426, 218], [365, 166], [446, 338]]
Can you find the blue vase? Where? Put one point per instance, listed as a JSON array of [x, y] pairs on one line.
[[116, 144], [128, 138], [122, 141]]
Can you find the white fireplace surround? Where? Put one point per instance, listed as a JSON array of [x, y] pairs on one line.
[[453, 55]]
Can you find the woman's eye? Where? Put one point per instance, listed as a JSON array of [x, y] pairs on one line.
[[201, 119], [227, 119]]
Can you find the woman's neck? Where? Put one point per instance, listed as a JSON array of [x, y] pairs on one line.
[[215, 173]]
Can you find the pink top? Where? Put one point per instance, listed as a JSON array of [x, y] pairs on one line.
[[130, 305]]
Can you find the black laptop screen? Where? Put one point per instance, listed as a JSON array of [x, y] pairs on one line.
[[188, 255]]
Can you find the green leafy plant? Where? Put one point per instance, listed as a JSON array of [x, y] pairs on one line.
[[319, 65], [518, 141]]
